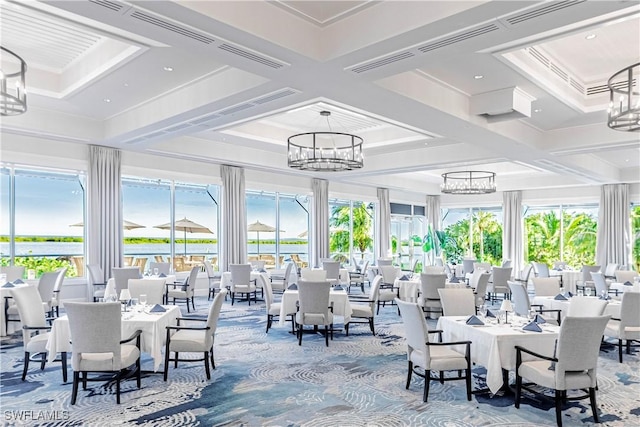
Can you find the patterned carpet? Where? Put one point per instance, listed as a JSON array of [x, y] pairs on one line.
[[268, 380]]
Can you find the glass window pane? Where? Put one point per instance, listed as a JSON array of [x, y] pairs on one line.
[[455, 223], [5, 212], [294, 219], [339, 230], [542, 234], [261, 227], [579, 234], [487, 235], [635, 236]]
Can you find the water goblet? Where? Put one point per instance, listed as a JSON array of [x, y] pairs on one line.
[[532, 315], [587, 291], [143, 300], [125, 298], [580, 292], [155, 271]]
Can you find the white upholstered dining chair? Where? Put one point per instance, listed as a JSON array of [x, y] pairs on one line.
[[365, 309], [154, 289], [241, 282], [183, 291], [457, 302], [313, 308]]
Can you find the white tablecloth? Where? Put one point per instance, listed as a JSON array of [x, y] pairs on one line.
[[111, 283], [569, 279], [226, 278], [549, 303], [152, 340], [340, 299], [493, 346], [408, 289], [622, 288]]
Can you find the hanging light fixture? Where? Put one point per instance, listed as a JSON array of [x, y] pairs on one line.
[[325, 151], [469, 182], [624, 99], [13, 94]]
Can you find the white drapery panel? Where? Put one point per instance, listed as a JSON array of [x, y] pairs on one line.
[[234, 217], [384, 223], [434, 223], [319, 221], [612, 241], [512, 236], [104, 213]]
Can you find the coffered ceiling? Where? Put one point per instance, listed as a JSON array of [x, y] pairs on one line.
[[423, 82]]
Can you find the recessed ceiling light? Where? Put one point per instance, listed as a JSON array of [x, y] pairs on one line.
[[478, 76], [126, 85], [168, 68], [107, 100], [537, 110], [590, 36]]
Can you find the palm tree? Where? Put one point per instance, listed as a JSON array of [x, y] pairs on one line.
[[485, 223], [362, 222]]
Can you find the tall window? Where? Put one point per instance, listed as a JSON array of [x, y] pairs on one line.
[[407, 235], [197, 239], [351, 230], [49, 212], [262, 234], [635, 236], [294, 219], [474, 233]]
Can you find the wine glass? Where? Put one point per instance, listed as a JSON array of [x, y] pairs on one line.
[[125, 298], [143, 300], [587, 291], [155, 271]]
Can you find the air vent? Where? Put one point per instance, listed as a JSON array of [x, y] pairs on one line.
[[458, 38], [116, 7], [235, 109], [250, 55], [382, 62], [136, 140], [576, 85], [204, 119], [558, 71], [555, 69], [172, 27], [154, 134], [550, 7], [604, 88], [538, 56], [274, 96], [177, 128]]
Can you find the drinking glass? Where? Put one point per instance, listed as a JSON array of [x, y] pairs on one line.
[[143, 300], [587, 291], [155, 271], [580, 292], [532, 315]]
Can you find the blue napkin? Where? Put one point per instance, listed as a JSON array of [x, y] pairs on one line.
[[404, 277], [338, 288], [293, 287], [262, 270], [539, 319], [628, 283], [8, 285], [473, 320], [560, 297], [454, 279], [490, 314], [162, 275], [568, 294], [18, 282], [157, 309], [605, 298], [532, 326]]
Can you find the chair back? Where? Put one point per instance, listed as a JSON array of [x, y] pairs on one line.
[[313, 275], [59, 279], [520, 298], [430, 283], [546, 286], [540, 269], [481, 287], [121, 276], [287, 275], [438, 261], [506, 263], [623, 276], [214, 315], [374, 292], [587, 270], [416, 332], [500, 277], [629, 317], [414, 265], [457, 302], [526, 273], [13, 272], [95, 328], [389, 274], [163, 267], [208, 268], [314, 302], [579, 347], [153, 288], [332, 268], [610, 269], [384, 261], [258, 264], [240, 275], [268, 292], [47, 284], [96, 274], [467, 265], [600, 283], [30, 309], [433, 269], [586, 307], [356, 265], [476, 276]]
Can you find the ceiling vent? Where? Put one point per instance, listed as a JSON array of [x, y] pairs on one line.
[[178, 29], [504, 104], [457, 38], [116, 7]]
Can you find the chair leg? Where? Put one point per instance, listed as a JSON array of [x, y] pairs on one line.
[[213, 364], [268, 323], [427, 382], [206, 365], [468, 381], [233, 297], [74, 390], [166, 356], [558, 399], [299, 334], [620, 350], [63, 359], [118, 389], [373, 330], [409, 372], [175, 362], [594, 407], [27, 355], [518, 390], [346, 328], [84, 380], [138, 373]]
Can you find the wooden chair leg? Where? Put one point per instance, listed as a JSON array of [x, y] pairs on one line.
[[27, 355], [409, 372], [206, 365], [594, 407], [63, 359], [558, 399], [74, 390], [427, 382]]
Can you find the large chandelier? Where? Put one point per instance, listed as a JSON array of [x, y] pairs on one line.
[[468, 182], [325, 151], [624, 99], [13, 94]]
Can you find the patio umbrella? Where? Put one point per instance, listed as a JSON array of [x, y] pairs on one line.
[[259, 227], [186, 226], [127, 225], [305, 233]]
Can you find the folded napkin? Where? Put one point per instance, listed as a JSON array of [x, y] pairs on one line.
[[262, 270], [454, 279], [568, 294], [162, 275], [605, 298], [473, 320], [405, 277], [557, 269], [18, 282], [539, 319], [490, 314], [560, 297], [157, 309], [338, 288], [293, 287], [532, 326], [8, 285], [628, 283]]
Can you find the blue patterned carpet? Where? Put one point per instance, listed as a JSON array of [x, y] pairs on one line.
[[268, 380]]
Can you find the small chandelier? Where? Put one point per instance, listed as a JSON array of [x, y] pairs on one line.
[[469, 182], [325, 151], [624, 99], [13, 94]]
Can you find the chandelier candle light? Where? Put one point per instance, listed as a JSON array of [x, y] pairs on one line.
[[327, 151], [624, 99], [13, 95], [468, 182]]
